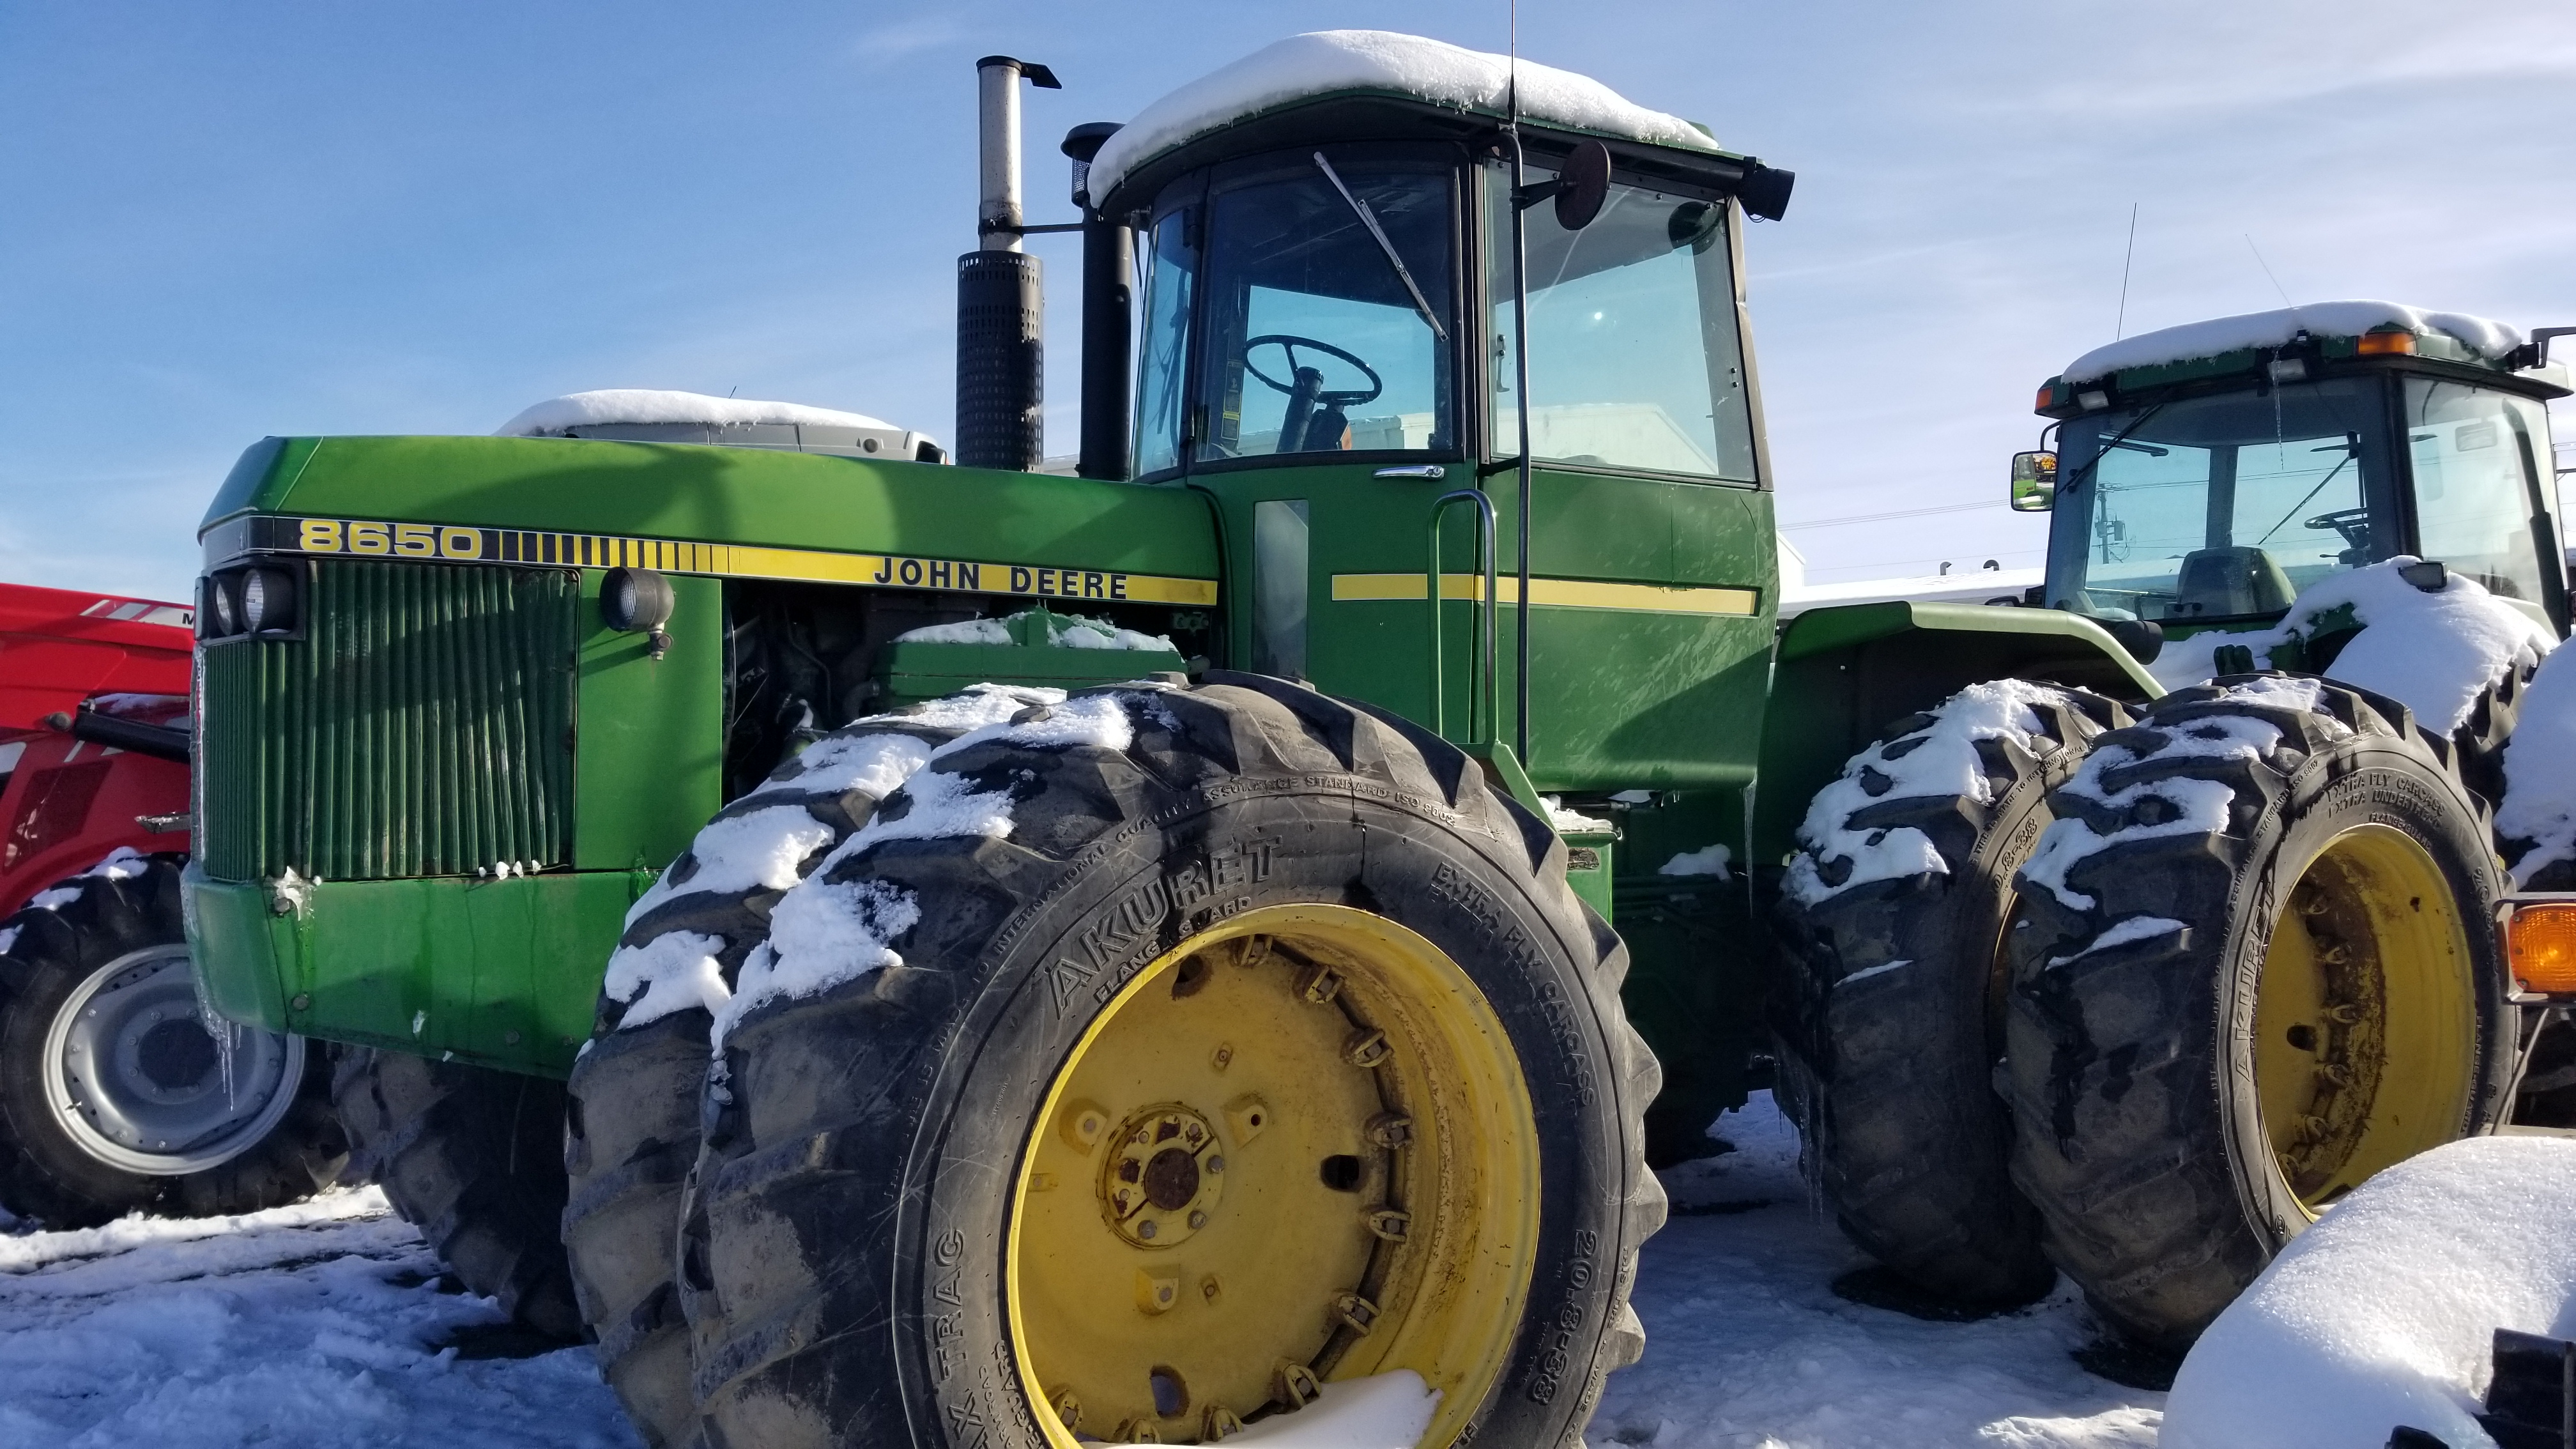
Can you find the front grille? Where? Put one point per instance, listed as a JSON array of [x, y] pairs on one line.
[[422, 726]]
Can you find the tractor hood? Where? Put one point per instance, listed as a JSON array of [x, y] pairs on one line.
[[750, 512]]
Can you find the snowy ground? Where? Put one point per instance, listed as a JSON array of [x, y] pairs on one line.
[[326, 1324]]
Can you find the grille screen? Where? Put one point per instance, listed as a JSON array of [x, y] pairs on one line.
[[423, 726]]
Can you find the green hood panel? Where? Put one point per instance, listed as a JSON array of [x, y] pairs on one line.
[[727, 495]]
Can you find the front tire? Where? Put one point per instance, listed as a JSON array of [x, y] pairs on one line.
[[1262, 1047], [2257, 966], [116, 1093], [473, 1157]]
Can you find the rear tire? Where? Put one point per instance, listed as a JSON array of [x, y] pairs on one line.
[[2256, 967], [473, 1157], [1889, 1005], [114, 1096], [878, 1215]]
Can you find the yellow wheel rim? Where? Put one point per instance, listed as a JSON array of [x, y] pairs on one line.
[[1298, 1148], [2365, 1031]]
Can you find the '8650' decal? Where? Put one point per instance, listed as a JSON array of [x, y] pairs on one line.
[[451, 543], [404, 540]]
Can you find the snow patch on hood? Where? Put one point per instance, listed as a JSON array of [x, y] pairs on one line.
[[2382, 1313], [1936, 760], [1324, 62], [2433, 652], [558, 416], [1707, 860], [2219, 335], [1064, 631], [2540, 770]]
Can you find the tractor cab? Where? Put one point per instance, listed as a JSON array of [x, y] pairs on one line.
[[2206, 476], [1329, 346]]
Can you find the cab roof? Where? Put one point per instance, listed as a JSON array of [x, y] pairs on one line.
[[1330, 63], [2326, 332]]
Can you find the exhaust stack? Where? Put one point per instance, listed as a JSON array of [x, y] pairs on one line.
[[1108, 264], [1000, 296]]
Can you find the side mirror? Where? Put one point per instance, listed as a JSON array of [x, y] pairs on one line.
[[1586, 185], [2034, 482]]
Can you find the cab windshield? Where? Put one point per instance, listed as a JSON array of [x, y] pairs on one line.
[[2215, 507], [1329, 308]]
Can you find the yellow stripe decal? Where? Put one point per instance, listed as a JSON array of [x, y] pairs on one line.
[[359, 537], [1554, 593]]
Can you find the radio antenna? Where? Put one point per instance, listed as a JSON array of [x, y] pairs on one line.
[[2120, 328]]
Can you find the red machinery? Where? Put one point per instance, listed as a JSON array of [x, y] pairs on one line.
[[69, 800], [117, 1092]]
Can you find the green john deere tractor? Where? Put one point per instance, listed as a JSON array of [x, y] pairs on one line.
[[1009, 959]]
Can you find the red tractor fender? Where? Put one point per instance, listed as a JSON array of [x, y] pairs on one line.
[[66, 803]]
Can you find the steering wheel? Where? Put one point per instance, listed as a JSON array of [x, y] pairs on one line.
[[2352, 523], [1289, 343]]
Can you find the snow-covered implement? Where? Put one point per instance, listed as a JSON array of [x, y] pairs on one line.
[[116, 1092], [1137, 953]]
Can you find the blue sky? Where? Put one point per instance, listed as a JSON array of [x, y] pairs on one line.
[[219, 222]]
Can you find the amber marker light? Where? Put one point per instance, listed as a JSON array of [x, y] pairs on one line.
[[2386, 344], [2540, 946]]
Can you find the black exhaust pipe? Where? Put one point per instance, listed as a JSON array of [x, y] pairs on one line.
[[1001, 353], [1108, 273]]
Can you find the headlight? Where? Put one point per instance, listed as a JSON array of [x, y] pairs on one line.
[[222, 618], [267, 600]]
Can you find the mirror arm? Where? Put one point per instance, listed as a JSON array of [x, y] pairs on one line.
[[1525, 197]]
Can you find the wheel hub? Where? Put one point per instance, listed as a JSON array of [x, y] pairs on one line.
[[139, 1078], [1162, 1181]]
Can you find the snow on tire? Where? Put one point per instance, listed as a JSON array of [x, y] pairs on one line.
[[1138, 1060], [2254, 966], [631, 1124], [1891, 916], [116, 1096]]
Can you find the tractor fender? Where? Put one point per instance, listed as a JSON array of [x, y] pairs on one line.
[[1841, 675]]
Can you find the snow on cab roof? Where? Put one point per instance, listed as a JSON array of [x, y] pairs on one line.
[[2196, 340], [1326, 62], [556, 417]]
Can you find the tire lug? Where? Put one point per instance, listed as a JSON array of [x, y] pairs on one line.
[[1139, 1430], [1365, 1048], [1223, 1057], [1198, 1219], [1293, 1386], [1067, 1406], [1219, 1422], [1210, 1289], [1256, 949], [1354, 1312], [1393, 1224], [1319, 984], [1390, 1130]]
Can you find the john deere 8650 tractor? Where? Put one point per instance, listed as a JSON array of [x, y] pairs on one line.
[[1012, 959]]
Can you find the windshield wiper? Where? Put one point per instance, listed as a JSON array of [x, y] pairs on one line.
[[2090, 464], [1368, 219]]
